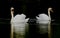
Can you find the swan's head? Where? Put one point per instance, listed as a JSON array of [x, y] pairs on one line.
[[12, 10], [50, 9]]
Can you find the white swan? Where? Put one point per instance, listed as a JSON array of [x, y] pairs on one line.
[[44, 22], [44, 18], [18, 24]]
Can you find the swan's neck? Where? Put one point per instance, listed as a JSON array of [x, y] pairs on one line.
[[49, 15], [12, 15]]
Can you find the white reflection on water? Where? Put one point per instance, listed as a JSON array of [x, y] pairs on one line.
[[43, 27]]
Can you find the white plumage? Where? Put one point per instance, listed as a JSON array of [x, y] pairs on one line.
[[43, 19]]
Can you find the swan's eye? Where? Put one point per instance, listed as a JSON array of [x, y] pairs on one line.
[[12, 9]]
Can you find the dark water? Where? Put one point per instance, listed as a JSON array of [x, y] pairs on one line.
[[5, 28], [55, 27]]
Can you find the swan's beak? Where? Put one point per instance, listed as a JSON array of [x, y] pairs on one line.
[[51, 10]]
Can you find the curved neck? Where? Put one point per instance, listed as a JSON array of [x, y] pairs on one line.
[[49, 14], [12, 15]]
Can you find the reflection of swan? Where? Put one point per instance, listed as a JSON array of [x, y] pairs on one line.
[[18, 24], [43, 21]]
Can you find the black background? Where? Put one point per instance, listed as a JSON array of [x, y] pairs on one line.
[[28, 7]]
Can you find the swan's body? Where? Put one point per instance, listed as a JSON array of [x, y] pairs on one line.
[[44, 20], [19, 24], [44, 17]]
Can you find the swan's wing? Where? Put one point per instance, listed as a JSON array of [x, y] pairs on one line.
[[44, 17]]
